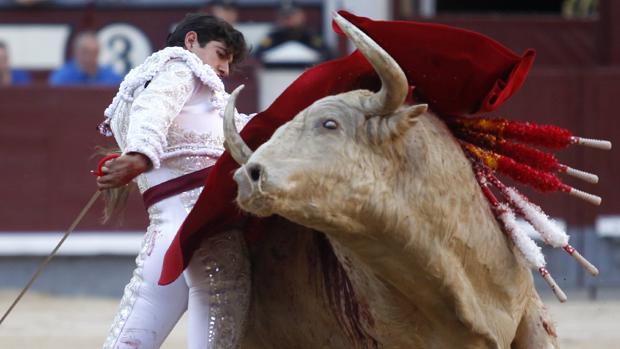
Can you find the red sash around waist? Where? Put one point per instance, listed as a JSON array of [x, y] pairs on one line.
[[175, 186]]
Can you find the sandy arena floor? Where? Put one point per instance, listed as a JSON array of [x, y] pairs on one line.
[[45, 322]]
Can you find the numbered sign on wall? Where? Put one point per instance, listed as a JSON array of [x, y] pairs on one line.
[[123, 46]]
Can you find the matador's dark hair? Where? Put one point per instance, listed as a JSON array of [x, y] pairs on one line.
[[210, 28]]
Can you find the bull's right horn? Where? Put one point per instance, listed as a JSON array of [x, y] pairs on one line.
[[394, 85], [234, 143]]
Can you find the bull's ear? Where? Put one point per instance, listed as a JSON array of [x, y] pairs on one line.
[[402, 120], [386, 128]]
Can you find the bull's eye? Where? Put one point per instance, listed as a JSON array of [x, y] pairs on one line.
[[330, 124]]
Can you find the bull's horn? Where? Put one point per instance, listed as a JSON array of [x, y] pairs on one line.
[[234, 144], [393, 80]]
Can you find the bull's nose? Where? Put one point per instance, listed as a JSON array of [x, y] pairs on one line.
[[249, 178], [250, 195], [255, 171]]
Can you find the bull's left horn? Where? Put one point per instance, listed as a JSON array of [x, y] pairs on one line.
[[394, 83], [234, 143]]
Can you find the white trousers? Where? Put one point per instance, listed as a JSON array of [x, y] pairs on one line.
[[214, 289]]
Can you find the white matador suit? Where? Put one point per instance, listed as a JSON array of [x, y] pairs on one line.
[[176, 121]]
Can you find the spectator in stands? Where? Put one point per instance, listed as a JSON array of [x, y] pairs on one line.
[[225, 10], [84, 69], [292, 28], [10, 76]]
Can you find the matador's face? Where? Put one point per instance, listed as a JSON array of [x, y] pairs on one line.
[[216, 54]]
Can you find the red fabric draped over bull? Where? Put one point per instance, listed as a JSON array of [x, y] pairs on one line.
[[455, 71]]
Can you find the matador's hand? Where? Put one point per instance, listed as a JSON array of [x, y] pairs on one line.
[[120, 171]]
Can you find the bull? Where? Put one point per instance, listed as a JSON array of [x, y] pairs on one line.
[[387, 240]]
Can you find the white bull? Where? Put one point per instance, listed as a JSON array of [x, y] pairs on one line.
[[420, 260]]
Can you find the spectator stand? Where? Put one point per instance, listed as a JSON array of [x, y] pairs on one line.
[[128, 32]]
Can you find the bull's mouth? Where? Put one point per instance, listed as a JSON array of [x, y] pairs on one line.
[[251, 195]]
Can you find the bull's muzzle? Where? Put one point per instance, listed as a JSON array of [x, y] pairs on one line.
[[248, 177], [250, 196]]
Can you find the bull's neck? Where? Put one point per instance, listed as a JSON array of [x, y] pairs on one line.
[[434, 248]]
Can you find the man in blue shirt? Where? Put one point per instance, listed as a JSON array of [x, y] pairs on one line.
[[8, 76], [84, 69]]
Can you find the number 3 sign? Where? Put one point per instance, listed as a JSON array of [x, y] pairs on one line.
[[123, 46]]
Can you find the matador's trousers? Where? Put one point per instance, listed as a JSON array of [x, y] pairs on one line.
[[214, 289]]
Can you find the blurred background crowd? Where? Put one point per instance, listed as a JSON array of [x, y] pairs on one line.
[[95, 47], [61, 62]]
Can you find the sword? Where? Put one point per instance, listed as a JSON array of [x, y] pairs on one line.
[[76, 221]]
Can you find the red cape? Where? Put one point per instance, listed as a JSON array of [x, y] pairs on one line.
[[456, 71]]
